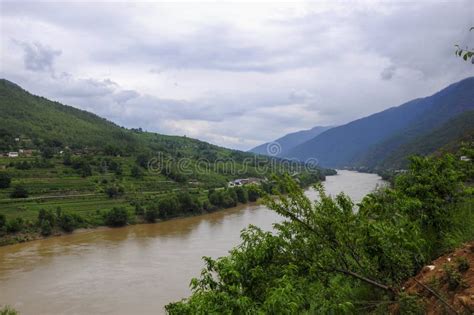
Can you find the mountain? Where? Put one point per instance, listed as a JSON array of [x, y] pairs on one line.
[[44, 123], [290, 140], [447, 137], [367, 141]]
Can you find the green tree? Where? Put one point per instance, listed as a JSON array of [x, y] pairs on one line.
[[151, 214], [46, 228], [242, 194], [136, 172], [117, 217], [5, 180], [19, 192]]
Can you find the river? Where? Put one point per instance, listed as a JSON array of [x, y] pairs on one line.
[[136, 269]]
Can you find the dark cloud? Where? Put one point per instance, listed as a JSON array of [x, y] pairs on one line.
[[388, 73], [38, 57], [235, 74]]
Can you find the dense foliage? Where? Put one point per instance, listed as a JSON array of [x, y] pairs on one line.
[[326, 258]]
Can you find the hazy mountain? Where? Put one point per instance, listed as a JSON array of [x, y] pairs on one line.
[[369, 140], [289, 141]]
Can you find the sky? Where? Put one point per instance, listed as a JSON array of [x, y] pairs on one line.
[[238, 73]]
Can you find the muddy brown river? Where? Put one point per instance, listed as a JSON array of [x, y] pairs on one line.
[[136, 269]]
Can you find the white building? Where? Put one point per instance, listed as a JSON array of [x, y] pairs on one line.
[[12, 154]]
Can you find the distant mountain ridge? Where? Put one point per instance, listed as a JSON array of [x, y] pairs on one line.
[[289, 141], [367, 141]]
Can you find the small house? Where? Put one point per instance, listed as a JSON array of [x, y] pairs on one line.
[[13, 154]]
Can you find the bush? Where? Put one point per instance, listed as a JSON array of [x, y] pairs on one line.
[[452, 277], [242, 195], [67, 222], [253, 192], [46, 215], [46, 228], [114, 191], [136, 172], [15, 225], [5, 180], [3, 221], [168, 206], [7, 310], [117, 217], [152, 214], [410, 305], [19, 192], [462, 264], [187, 203], [139, 210]]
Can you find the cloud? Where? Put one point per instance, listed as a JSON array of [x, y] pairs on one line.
[[38, 57], [388, 72], [234, 74]]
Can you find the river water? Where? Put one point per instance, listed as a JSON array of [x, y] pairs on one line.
[[136, 269]]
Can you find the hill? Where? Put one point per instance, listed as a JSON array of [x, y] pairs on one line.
[[290, 140], [79, 170], [447, 137], [372, 139]]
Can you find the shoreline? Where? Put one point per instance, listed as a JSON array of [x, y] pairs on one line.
[[22, 237]]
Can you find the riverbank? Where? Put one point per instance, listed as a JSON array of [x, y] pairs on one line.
[[113, 270]]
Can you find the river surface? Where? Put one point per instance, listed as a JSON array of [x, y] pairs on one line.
[[136, 269]]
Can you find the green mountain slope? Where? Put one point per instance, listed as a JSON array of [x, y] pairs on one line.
[[366, 141], [448, 137], [291, 140]]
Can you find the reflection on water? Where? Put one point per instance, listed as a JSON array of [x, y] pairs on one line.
[[135, 269]]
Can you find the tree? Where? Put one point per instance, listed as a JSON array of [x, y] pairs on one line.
[[19, 192], [136, 172], [168, 206], [253, 192], [242, 195], [114, 191], [187, 203], [47, 152], [67, 222], [5, 180], [117, 217], [3, 221], [152, 214], [46, 228], [67, 157]]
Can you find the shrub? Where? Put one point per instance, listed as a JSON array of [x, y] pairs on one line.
[[462, 264], [152, 214], [5, 180], [3, 221], [168, 205], [136, 172], [15, 225], [7, 310], [452, 277], [253, 192], [187, 203], [19, 192], [410, 304], [67, 222], [46, 228], [46, 215], [114, 191], [117, 217], [139, 210], [242, 195]]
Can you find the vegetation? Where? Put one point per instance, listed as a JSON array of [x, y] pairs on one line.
[[327, 258], [87, 166]]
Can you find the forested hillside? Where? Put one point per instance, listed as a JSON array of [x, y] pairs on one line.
[[367, 141], [69, 168], [448, 137], [289, 141]]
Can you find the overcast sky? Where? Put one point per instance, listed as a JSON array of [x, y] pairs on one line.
[[234, 74]]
